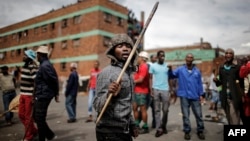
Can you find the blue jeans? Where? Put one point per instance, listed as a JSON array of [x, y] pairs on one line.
[[7, 98], [196, 108], [90, 100], [70, 103]]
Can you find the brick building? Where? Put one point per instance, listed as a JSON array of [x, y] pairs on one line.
[[81, 32], [78, 32]]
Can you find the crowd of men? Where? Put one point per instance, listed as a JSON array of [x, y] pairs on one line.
[[148, 82]]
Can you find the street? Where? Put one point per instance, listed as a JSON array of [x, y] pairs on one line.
[[79, 131]]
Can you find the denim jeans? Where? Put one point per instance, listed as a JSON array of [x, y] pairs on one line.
[[90, 100], [215, 96], [70, 103], [7, 98], [196, 108]]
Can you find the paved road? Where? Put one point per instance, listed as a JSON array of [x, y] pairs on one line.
[[81, 131]]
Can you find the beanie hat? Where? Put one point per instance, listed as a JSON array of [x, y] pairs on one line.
[[119, 39]]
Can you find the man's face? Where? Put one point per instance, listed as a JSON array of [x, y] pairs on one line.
[[96, 65], [25, 58], [161, 57], [38, 57], [153, 59], [189, 59], [122, 52], [229, 55]]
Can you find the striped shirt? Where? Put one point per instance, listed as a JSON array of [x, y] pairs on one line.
[[28, 74]]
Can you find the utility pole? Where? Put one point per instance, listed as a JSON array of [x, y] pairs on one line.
[[142, 24]]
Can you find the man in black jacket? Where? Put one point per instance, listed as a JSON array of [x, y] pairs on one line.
[[46, 88]]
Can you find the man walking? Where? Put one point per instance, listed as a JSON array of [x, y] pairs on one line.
[[28, 74], [46, 88], [71, 93]]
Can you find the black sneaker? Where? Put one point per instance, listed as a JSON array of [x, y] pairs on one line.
[[144, 131], [187, 136], [71, 120], [164, 130], [201, 136], [158, 133]]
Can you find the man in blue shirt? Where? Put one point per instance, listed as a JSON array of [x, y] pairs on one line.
[[190, 91]]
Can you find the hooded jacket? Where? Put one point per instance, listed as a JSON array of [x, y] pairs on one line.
[[117, 117]]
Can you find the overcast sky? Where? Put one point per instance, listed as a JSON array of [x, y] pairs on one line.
[[223, 23]]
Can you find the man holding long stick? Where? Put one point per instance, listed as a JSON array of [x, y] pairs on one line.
[[117, 123]]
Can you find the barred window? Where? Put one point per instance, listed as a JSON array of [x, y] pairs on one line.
[[106, 41], [107, 17], [63, 66], [77, 19], [44, 28], [119, 21], [64, 23], [76, 42], [64, 44]]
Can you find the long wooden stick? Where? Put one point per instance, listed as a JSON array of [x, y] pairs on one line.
[[129, 58]]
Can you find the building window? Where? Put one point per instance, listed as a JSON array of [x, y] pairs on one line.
[[18, 51], [119, 21], [4, 38], [36, 30], [12, 53], [76, 42], [52, 26], [63, 66], [44, 28], [25, 33], [51, 45], [106, 41], [107, 17], [77, 19], [64, 44], [1, 39], [64, 23], [2, 55], [14, 36]]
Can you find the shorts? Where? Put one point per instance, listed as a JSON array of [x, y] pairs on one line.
[[140, 99]]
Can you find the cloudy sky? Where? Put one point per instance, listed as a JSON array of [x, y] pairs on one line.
[[223, 23]]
